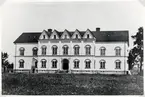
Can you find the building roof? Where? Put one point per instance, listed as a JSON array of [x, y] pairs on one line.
[[28, 38], [100, 36]]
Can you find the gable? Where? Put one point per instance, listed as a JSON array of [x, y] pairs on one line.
[[76, 34], [88, 34], [54, 35], [65, 35], [44, 35]]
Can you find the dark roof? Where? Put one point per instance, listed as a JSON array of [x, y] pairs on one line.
[[100, 36], [28, 38]]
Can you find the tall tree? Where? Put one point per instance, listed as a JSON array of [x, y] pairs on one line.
[[5, 63], [137, 52]]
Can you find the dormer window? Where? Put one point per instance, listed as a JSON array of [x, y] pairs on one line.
[[43, 36], [88, 36], [54, 36], [76, 36], [65, 37]]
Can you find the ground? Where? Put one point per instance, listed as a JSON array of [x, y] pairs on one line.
[[71, 84]]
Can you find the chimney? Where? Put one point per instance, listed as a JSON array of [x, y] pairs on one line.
[[97, 29], [49, 30]]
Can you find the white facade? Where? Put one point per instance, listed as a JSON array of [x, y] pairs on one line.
[[95, 58]]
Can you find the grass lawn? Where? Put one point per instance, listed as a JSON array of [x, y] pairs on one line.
[[71, 84]]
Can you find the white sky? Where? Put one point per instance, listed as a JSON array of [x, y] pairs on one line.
[[18, 17]]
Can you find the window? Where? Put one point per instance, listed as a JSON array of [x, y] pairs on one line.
[[88, 49], [21, 63], [76, 35], [102, 51], [65, 37], [54, 36], [65, 50], [35, 49], [118, 64], [43, 50], [54, 50], [43, 36], [102, 64], [36, 64], [54, 63], [88, 63], [76, 50], [22, 51], [88, 36], [76, 63], [43, 62], [118, 51]]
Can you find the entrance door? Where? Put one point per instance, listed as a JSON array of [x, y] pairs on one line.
[[34, 65], [65, 64]]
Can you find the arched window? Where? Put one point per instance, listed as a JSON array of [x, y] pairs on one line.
[[22, 51], [118, 51], [88, 49], [43, 50], [76, 50], [102, 64], [88, 63], [54, 63], [21, 63], [43, 62], [118, 64], [76, 63], [102, 51], [54, 50], [35, 49], [65, 50]]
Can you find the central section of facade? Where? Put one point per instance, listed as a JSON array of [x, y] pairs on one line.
[[72, 51]]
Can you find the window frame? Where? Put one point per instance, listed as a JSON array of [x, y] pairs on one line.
[[22, 51], [35, 51], [76, 49], [102, 64], [117, 64], [21, 63], [65, 50], [54, 50], [88, 50], [43, 50], [117, 51], [54, 63], [102, 51], [43, 63], [87, 64], [76, 63]]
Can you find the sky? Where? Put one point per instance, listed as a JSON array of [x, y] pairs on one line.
[[19, 17]]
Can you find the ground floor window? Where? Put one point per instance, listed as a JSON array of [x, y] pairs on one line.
[[21, 63], [43, 62], [54, 63], [102, 64], [118, 63], [76, 63], [88, 63]]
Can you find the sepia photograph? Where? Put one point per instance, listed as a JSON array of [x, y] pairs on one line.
[[72, 47]]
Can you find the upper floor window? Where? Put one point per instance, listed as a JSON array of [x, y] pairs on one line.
[[65, 50], [21, 63], [88, 49], [76, 50], [22, 51], [102, 51], [118, 64], [102, 64], [54, 36], [76, 35], [43, 50], [35, 49], [88, 36], [43, 36], [54, 50], [43, 63], [76, 63], [88, 63], [65, 36], [54, 63], [118, 51]]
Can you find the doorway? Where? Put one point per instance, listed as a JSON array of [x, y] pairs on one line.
[[65, 64]]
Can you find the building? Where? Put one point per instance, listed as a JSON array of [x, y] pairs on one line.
[[51, 51]]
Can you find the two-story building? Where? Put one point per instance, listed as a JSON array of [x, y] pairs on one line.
[[53, 51]]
